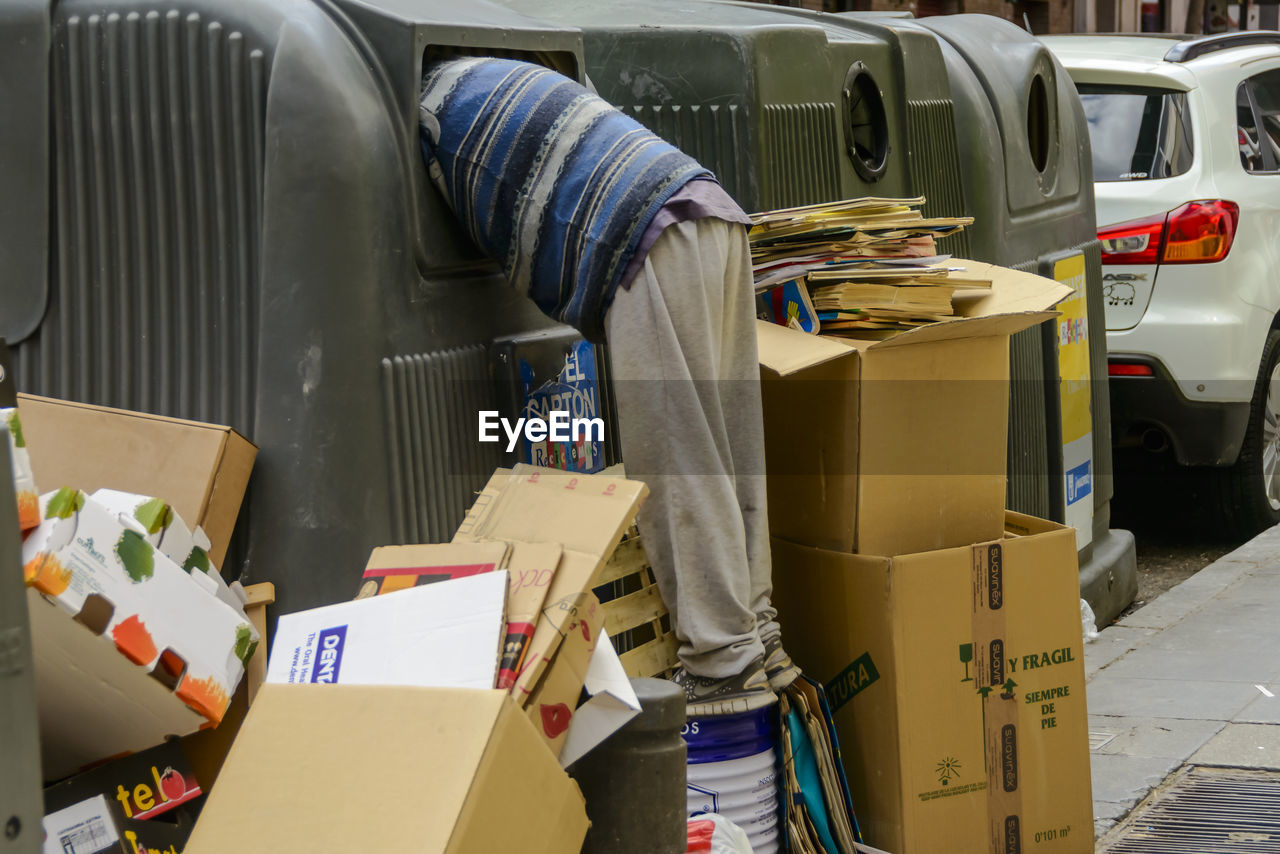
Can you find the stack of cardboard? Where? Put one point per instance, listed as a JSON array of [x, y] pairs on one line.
[[946, 631], [865, 268], [434, 628]]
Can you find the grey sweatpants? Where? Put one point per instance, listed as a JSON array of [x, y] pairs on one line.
[[682, 344]]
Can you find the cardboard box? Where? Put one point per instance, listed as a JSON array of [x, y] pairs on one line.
[[176, 540], [446, 634], [201, 470], [143, 785], [98, 824], [128, 648], [956, 680], [389, 769], [897, 446]]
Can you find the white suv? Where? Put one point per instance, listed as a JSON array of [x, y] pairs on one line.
[[1186, 156]]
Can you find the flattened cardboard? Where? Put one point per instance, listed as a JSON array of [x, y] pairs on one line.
[[201, 470], [392, 568], [554, 702], [396, 770], [586, 514], [530, 567], [441, 635], [896, 446], [898, 639]]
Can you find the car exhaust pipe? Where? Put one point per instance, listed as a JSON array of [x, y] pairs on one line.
[[1154, 440]]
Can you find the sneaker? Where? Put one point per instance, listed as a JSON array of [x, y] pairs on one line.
[[706, 696], [778, 666]]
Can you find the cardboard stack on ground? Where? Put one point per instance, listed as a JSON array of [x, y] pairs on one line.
[[95, 702], [951, 651], [897, 446]]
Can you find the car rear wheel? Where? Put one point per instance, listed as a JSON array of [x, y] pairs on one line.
[[1250, 490]]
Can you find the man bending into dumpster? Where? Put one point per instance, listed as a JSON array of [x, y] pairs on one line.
[[613, 231]]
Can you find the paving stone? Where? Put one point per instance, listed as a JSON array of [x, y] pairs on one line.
[[1125, 780], [1264, 710], [1213, 658], [1167, 698], [1112, 644], [1242, 746], [1110, 811], [1153, 737]]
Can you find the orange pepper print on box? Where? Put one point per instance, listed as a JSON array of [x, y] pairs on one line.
[[134, 641], [206, 696], [47, 574], [28, 510]]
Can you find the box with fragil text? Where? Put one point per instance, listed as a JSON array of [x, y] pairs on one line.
[[956, 682]]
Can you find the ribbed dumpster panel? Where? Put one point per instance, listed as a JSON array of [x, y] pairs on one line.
[[435, 466], [800, 165], [158, 133], [935, 165], [712, 134]]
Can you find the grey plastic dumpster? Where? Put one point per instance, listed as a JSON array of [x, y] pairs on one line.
[[1028, 178], [785, 110], [240, 230], [763, 96], [21, 807]]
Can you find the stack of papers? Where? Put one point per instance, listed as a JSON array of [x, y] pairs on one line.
[[865, 267]]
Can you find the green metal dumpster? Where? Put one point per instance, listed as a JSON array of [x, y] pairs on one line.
[[763, 96]]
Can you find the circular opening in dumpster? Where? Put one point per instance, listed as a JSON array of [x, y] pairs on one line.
[[1038, 123], [866, 127]]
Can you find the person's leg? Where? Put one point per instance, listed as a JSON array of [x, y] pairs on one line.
[[682, 346]]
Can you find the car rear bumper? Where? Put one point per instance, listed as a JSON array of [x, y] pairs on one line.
[[1151, 411]]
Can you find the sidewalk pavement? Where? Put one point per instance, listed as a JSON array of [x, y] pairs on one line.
[[1191, 679]]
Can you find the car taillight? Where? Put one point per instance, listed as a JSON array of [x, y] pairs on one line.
[[1138, 241], [1196, 233], [1200, 232], [1129, 369]]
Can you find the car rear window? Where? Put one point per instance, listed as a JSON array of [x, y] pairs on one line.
[[1137, 133]]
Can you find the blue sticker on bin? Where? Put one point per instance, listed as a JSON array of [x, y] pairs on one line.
[[1080, 481]]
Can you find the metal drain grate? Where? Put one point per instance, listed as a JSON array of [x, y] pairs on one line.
[[1208, 811]]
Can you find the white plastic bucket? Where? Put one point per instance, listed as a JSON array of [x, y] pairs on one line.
[[733, 771]]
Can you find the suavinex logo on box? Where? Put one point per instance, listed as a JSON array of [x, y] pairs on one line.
[[330, 644]]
